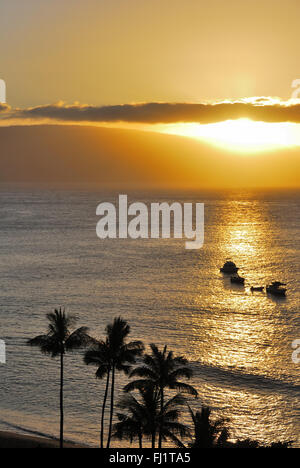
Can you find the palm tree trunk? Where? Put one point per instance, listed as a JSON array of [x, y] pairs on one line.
[[161, 417], [153, 439], [111, 405], [61, 441], [103, 410], [140, 441]]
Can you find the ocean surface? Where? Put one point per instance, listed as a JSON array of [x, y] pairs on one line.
[[238, 343]]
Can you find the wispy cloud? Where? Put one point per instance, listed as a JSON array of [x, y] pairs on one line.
[[264, 109]]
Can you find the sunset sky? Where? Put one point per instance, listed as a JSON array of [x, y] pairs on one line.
[[220, 72]]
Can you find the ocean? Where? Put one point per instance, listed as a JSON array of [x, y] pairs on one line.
[[238, 343]]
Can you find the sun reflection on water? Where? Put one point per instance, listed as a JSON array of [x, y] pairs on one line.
[[239, 331]]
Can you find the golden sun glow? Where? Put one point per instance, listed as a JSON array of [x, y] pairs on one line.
[[241, 135]]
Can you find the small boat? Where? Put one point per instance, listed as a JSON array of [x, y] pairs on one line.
[[257, 288], [229, 267], [276, 288], [236, 279]]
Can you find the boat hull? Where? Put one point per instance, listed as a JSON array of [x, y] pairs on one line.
[[229, 271], [237, 280], [278, 292]]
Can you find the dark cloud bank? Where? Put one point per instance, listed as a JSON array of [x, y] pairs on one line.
[[152, 113]]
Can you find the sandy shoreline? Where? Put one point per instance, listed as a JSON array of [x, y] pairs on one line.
[[13, 440]]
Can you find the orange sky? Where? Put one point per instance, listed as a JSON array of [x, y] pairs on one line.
[[187, 68], [112, 52]]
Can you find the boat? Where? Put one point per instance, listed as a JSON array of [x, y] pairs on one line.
[[236, 279], [257, 288], [276, 288], [229, 267]]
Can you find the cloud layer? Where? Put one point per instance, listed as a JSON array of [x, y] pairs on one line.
[[257, 109]]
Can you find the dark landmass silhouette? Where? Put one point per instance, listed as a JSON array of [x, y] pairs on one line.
[[81, 154]]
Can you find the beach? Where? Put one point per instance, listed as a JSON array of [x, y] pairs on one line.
[[13, 440]]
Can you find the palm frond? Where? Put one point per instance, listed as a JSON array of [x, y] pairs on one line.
[[123, 368], [141, 384], [60, 322], [169, 435], [154, 349], [171, 415], [177, 428], [185, 372], [186, 388], [175, 401], [102, 371], [144, 371], [78, 339], [151, 362], [181, 361], [134, 345], [59, 338], [47, 344], [193, 415], [99, 355], [126, 428], [127, 401], [117, 332]]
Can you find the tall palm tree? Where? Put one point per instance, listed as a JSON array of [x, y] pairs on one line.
[[113, 354], [141, 417], [208, 433], [99, 355], [58, 340], [162, 370]]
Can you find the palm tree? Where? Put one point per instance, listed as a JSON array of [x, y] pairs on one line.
[[58, 340], [112, 355], [130, 425], [162, 370], [99, 355], [208, 433], [141, 417]]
